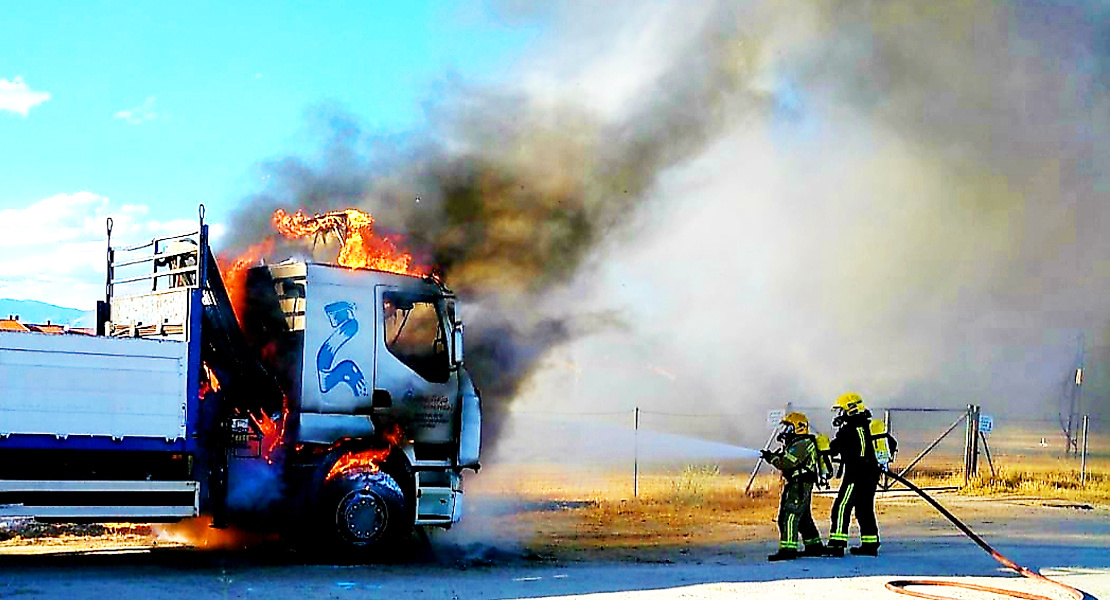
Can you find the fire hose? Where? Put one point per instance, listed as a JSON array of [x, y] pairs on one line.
[[900, 585]]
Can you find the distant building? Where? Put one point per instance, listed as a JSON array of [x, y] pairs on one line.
[[12, 323]]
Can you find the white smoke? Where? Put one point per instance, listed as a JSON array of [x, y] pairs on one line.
[[894, 200]]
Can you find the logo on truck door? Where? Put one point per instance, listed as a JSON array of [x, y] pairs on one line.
[[345, 325]]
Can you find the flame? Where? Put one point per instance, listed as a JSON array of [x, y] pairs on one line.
[[235, 273], [366, 461], [393, 435], [208, 381], [362, 248], [362, 462], [199, 533], [135, 529], [273, 432]]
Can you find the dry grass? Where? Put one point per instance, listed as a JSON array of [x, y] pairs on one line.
[[1045, 483], [700, 510], [693, 512], [1043, 477]]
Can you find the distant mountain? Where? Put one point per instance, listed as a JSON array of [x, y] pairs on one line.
[[33, 311]]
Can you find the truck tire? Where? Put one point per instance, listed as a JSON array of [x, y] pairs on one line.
[[365, 511]]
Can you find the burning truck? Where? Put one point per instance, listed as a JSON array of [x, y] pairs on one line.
[[313, 400]]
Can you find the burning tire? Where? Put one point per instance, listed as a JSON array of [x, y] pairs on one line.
[[363, 510]]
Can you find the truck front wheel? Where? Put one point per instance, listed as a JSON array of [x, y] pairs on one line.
[[365, 510]]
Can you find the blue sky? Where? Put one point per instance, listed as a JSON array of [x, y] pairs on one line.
[[149, 108]]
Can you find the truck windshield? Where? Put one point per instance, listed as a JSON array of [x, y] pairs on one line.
[[414, 334]]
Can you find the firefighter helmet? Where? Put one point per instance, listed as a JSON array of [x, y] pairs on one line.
[[797, 422], [850, 404]]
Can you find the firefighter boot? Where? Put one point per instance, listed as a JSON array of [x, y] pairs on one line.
[[834, 551], [783, 554], [815, 549], [866, 549]]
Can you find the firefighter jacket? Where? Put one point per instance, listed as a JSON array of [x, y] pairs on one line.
[[798, 461], [855, 447]]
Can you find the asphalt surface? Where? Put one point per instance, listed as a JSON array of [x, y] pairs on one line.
[[1070, 545]]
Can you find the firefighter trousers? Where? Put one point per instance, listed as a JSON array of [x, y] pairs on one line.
[[795, 516], [856, 493]]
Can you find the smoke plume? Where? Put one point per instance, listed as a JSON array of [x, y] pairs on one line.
[[766, 201]]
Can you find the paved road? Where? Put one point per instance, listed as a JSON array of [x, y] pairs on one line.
[[1072, 545]]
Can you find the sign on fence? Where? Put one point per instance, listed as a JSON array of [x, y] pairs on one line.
[[774, 417], [986, 424]]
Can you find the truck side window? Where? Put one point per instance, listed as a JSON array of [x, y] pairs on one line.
[[414, 334]]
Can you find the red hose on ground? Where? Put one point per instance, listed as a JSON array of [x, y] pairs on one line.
[[899, 585]]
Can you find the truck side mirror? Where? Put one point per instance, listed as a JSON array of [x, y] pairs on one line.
[[457, 345]]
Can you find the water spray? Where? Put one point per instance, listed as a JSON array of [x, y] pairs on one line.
[[759, 463]]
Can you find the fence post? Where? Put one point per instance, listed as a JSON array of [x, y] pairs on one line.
[[886, 421], [636, 453], [1083, 460], [975, 442], [967, 444], [971, 443]]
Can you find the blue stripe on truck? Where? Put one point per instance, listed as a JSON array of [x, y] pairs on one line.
[[88, 442]]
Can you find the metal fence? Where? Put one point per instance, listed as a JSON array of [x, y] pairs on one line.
[[624, 453], [608, 453]]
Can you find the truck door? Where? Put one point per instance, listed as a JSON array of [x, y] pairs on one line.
[[414, 362]]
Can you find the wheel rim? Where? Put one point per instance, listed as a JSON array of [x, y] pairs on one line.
[[362, 516]]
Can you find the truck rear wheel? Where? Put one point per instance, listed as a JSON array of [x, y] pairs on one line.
[[365, 510]]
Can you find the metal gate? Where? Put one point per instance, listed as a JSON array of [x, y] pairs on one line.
[[962, 459]]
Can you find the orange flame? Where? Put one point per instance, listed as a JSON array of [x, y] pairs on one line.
[[208, 381], [360, 462], [235, 273], [198, 532], [273, 432], [366, 461], [362, 248]]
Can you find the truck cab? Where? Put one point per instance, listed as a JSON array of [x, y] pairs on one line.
[[364, 354]]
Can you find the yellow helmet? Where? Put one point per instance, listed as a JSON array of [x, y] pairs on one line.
[[798, 422], [850, 404]]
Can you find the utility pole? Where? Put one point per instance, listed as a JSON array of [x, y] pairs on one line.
[[1071, 445], [1079, 389], [1083, 460], [1073, 390], [636, 453]]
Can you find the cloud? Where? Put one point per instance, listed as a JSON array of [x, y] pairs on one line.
[[54, 250], [16, 97], [140, 114]]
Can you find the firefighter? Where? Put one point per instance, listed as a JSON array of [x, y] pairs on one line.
[[863, 450], [798, 462]]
